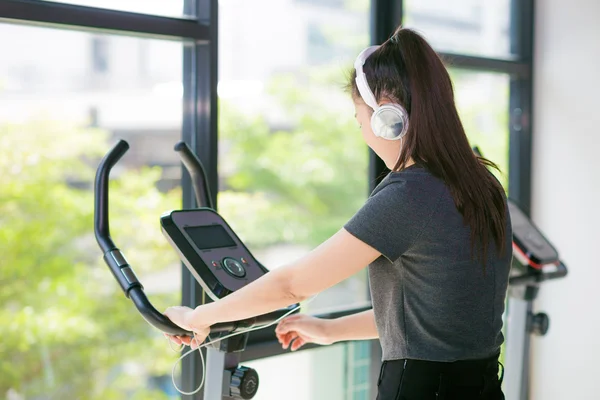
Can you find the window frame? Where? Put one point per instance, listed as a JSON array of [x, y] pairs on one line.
[[72, 16]]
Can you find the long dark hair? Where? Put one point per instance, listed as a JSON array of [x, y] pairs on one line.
[[405, 69]]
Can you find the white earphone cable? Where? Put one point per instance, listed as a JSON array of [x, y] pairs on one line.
[[255, 328]]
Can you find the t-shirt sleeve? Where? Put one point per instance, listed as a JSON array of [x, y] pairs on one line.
[[390, 220]]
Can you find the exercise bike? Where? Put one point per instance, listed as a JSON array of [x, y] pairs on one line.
[[213, 254], [221, 264]]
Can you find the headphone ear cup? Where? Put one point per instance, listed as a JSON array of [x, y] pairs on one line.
[[390, 121]]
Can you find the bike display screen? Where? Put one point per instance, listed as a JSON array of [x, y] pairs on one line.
[[210, 237]]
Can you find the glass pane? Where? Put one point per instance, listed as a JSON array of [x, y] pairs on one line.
[[292, 163], [318, 374], [67, 329], [482, 101], [465, 26], [167, 8]]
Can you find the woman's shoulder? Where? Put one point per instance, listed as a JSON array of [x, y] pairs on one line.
[[415, 180]]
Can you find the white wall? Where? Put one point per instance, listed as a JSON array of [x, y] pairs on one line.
[[566, 194]]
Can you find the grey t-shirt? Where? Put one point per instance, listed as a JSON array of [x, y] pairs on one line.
[[432, 300]]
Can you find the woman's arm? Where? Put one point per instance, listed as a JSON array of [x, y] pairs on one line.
[[301, 329], [338, 258], [359, 326]]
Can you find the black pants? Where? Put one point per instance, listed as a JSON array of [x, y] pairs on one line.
[[428, 380]]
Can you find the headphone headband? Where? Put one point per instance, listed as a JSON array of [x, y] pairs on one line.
[[361, 79], [390, 121]]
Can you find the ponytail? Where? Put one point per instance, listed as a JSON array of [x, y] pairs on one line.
[[406, 70]]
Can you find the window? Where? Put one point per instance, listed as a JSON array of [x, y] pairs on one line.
[[67, 329], [100, 52], [293, 164], [482, 102], [466, 26], [293, 167], [170, 8], [329, 3], [319, 49]]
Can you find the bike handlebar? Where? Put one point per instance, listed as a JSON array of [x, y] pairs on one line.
[[120, 268]]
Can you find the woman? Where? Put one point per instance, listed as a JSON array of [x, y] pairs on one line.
[[435, 235]]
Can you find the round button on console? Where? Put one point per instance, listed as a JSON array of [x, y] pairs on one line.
[[234, 267]]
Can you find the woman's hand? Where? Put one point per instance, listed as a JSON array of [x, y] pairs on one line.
[[182, 317], [302, 329]]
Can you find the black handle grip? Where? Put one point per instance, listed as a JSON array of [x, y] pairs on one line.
[[153, 316], [113, 257], [198, 174], [101, 227]]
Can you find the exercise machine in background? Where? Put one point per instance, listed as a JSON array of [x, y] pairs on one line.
[[535, 260], [214, 255]]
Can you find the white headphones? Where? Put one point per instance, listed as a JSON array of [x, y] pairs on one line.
[[389, 121]]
